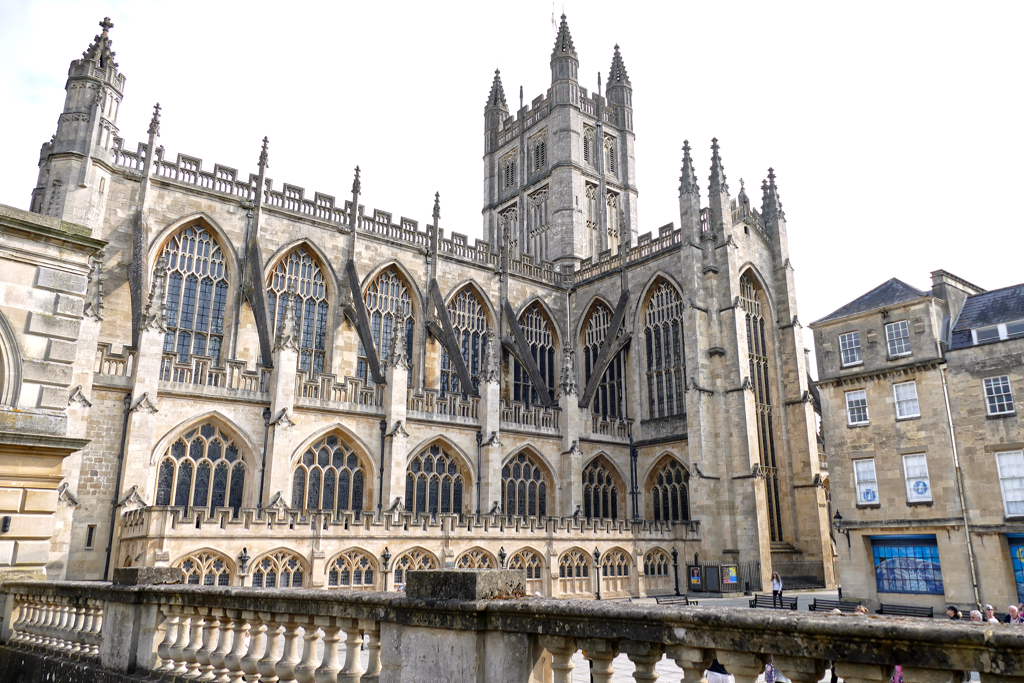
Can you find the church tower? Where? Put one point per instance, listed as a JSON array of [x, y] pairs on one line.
[[559, 184], [74, 166]]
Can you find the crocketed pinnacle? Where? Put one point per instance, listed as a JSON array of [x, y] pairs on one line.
[[617, 74], [563, 42], [497, 96], [771, 205], [437, 207], [717, 179], [264, 154], [154, 123], [100, 48], [687, 178], [357, 186]]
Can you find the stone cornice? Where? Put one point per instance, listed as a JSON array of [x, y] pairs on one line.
[[882, 373]]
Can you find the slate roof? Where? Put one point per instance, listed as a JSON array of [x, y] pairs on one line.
[[886, 294], [988, 308]]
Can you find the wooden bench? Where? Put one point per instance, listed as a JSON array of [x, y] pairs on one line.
[[823, 605], [674, 600], [626, 599], [906, 611], [765, 600]]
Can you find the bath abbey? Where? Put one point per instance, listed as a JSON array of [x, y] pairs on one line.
[[270, 387]]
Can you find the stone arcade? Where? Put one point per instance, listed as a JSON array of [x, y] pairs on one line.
[[282, 390]]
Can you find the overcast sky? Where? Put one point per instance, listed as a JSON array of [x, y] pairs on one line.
[[895, 129]]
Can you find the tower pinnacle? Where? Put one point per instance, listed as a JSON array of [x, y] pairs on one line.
[[154, 123], [617, 74], [687, 178], [563, 42], [99, 49], [717, 181], [771, 205], [497, 96]]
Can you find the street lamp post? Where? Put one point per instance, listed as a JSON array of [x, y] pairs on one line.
[[380, 492], [675, 567], [243, 561], [501, 556], [597, 565]]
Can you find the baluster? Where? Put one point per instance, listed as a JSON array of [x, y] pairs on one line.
[[285, 667], [272, 653], [352, 672], [87, 623], [218, 658], [163, 650], [42, 632], [97, 627], [57, 614], [801, 669], [177, 651], [195, 643], [211, 636], [562, 650], [864, 673], [330, 666], [77, 629], [305, 672], [603, 657], [744, 666], [371, 629], [233, 672], [257, 643], [20, 625], [645, 656], [62, 643]]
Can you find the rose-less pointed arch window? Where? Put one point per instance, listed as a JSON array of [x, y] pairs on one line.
[[280, 569], [311, 306], [387, 300], [525, 486], [201, 468], [205, 569], [469, 320], [352, 569], [410, 561], [600, 492], [537, 331], [610, 399], [329, 476], [434, 482], [670, 493], [663, 338], [196, 298]]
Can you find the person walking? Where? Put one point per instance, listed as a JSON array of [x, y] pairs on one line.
[[776, 589]]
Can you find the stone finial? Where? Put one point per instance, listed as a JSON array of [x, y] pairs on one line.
[[264, 154], [437, 207], [771, 205], [287, 334], [687, 178], [397, 357], [154, 123], [99, 49], [717, 180], [491, 371], [496, 98], [154, 315], [521, 101], [567, 382], [357, 186], [563, 41], [617, 74]]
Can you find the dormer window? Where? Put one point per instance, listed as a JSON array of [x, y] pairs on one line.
[[997, 332]]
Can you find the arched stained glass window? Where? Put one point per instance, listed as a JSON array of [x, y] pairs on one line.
[[469, 320], [202, 468], [434, 483], [537, 331], [387, 299], [600, 493], [352, 569], [663, 336], [279, 569], [525, 487], [329, 476], [205, 569], [574, 564], [410, 561], [475, 558], [609, 401], [670, 493], [300, 268], [615, 563], [529, 562], [657, 563], [196, 296]]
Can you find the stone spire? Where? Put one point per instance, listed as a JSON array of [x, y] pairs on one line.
[[100, 49], [617, 74], [771, 205], [397, 357], [717, 178], [287, 335], [497, 96], [563, 42], [492, 371], [154, 123], [567, 382], [687, 178]]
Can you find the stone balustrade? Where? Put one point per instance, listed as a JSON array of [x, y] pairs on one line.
[[431, 403], [235, 634], [518, 415]]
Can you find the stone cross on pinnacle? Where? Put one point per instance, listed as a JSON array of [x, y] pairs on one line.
[[106, 25]]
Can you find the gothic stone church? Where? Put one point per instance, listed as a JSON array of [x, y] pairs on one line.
[[283, 390]]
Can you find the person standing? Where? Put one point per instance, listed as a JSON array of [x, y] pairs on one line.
[[1013, 615], [953, 613], [990, 614], [975, 615], [776, 589]]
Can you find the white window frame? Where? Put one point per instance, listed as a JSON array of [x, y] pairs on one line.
[[867, 488], [988, 384], [915, 471], [849, 412], [1003, 331], [891, 339], [1011, 481], [850, 341], [909, 403]]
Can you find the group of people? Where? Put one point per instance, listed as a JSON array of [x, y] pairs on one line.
[[1014, 614]]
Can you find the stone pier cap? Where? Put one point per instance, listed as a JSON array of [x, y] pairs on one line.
[[921, 643]]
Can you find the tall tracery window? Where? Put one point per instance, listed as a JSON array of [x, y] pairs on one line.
[[301, 269], [205, 569], [610, 399], [387, 299], [600, 493], [352, 569], [663, 335], [410, 561], [753, 301], [434, 483], [670, 493], [279, 569], [202, 468], [197, 294], [537, 331], [328, 477], [525, 486], [469, 320]]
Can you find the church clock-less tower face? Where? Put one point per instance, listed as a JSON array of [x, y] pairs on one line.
[[559, 184]]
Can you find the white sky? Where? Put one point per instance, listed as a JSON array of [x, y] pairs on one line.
[[894, 128]]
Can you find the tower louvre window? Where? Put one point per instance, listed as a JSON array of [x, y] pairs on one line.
[[508, 171], [588, 145], [539, 155]]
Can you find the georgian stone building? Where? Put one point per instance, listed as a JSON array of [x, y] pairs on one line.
[[287, 389]]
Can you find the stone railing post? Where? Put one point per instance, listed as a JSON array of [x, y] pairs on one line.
[[218, 658], [602, 653], [692, 660], [371, 633], [272, 653], [352, 672], [195, 643], [233, 660], [249, 663], [211, 633], [800, 669], [285, 667], [172, 616], [863, 673], [177, 651], [744, 666], [645, 656], [562, 650], [305, 672]]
